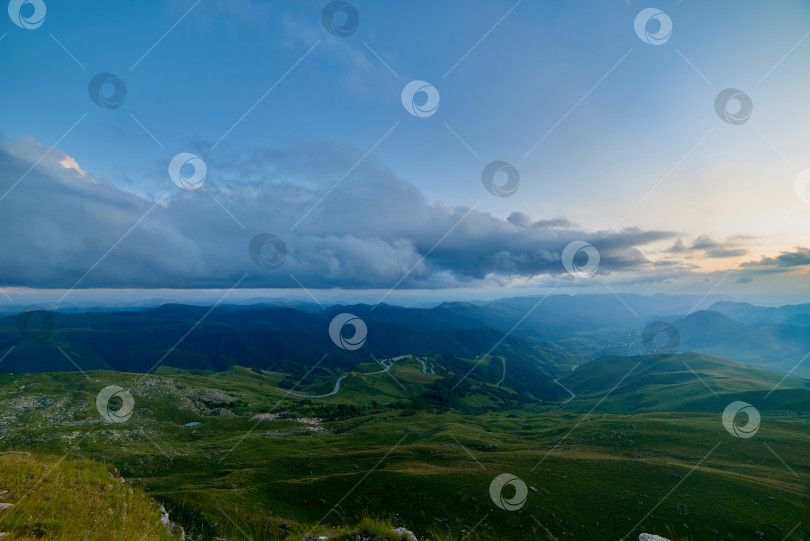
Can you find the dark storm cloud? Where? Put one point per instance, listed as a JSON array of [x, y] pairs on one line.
[[704, 243], [719, 253], [677, 248], [369, 232], [799, 257], [707, 247]]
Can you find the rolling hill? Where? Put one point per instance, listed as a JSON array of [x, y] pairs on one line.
[[684, 382], [649, 454], [777, 345]]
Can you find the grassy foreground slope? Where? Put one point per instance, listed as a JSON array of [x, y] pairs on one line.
[[46, 497]]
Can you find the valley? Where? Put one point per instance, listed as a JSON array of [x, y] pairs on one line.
[[641, 447]]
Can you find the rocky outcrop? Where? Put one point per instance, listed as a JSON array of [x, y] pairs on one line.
[[172, 528], [405, 533]]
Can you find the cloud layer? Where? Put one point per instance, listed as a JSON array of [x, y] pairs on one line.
[[372, 230], [369, 229], [785, 261]]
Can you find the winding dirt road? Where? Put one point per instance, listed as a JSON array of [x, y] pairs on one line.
[[387, 366], [573, 396]]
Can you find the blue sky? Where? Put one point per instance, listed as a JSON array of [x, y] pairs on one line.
[[630, 139]]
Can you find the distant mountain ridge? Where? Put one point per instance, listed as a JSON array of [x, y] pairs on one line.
[[277, 339], [558, 332], [749, 313], [760, 339]]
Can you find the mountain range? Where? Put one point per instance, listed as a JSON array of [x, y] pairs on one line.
[[557, 333]]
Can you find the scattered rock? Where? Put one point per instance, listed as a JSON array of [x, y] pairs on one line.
[[265, 417], [405, 533], [171, 527]]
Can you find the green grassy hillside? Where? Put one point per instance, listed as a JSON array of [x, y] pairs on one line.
[[684, 382], [49, 497], [263, 464]]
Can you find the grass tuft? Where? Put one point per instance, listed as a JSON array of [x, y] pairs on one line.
[[56, 498]]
